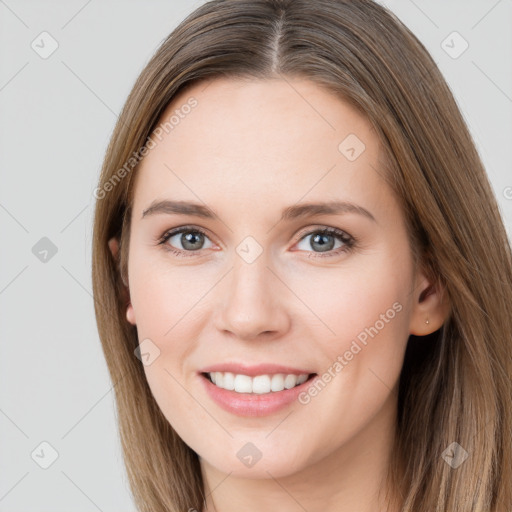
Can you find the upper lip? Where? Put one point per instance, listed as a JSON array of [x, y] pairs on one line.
[[254, 369]]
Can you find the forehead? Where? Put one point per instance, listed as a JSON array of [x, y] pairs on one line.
[[258, 140], [252, 111]]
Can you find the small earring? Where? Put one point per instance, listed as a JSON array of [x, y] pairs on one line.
[[426, 321], [128, 312]]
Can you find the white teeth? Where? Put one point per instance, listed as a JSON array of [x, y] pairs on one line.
[[301, 379], [261, 384], [229, 381], [290, 381], [277, 383], [243, 384]]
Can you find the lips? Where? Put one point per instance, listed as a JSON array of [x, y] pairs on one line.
[[260, 379], [255, 370], [260, 384], [254, 390]]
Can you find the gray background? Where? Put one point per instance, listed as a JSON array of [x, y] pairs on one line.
[[56, 117]]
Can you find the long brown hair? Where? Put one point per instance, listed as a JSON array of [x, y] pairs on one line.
[[455, 385]]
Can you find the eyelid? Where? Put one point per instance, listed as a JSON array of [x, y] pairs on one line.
[[181, 229], [318, 228]]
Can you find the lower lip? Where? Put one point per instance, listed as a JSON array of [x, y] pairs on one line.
[[252, 404]]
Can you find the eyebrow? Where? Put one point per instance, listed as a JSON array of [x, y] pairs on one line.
[[289, 213]]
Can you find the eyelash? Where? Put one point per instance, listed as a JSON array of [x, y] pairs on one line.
[[348, 240]]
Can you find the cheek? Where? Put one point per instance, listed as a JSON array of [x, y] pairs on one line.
[[169, 312], [364, 312], [163, 294], [351, 299]]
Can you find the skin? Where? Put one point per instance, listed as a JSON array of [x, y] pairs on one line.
[[248, 150]]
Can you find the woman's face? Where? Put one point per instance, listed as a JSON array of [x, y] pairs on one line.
[[252, 288]]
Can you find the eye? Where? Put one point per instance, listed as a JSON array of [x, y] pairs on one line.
[[190, 239], [324, 240]]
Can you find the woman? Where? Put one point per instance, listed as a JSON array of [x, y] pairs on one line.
[[303, 284]]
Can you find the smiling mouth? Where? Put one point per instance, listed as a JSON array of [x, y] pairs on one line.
[[259, 384]]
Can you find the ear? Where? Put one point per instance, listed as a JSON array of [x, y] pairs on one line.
[[430, 305], [113, 245]]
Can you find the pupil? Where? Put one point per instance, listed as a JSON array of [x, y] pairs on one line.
[[188, 240], [324, 246]]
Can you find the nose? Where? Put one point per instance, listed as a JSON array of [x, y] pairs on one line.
[[252, 302]]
